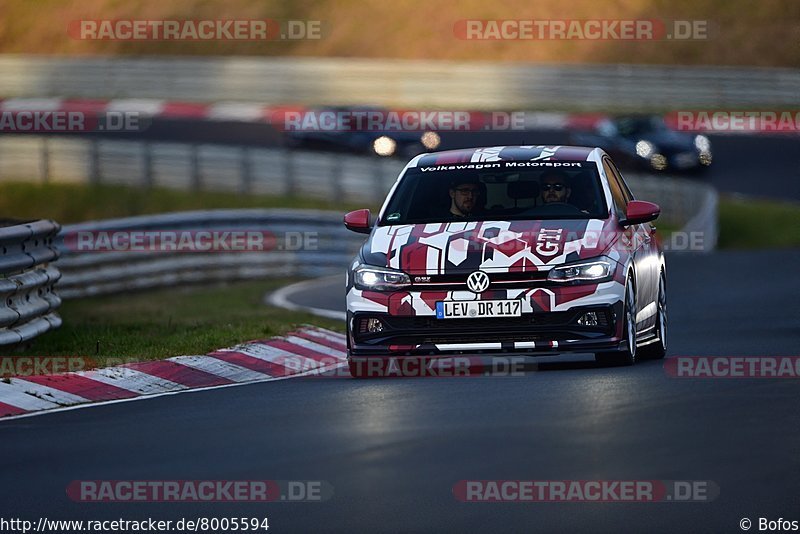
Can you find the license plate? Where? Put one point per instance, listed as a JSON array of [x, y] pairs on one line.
[[477, 309]]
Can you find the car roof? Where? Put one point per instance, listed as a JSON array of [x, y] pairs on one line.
[[505, 153]]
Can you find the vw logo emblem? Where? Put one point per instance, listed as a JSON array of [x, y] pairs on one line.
[[478, 282]]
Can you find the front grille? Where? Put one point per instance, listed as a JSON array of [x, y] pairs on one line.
[[458, 282], [529, 327], [427, 323]]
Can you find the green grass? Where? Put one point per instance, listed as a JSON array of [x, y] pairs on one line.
[[70, 203], [161, 323], [758, 224], [169, 322]]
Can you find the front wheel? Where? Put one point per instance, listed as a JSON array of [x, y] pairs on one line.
[[627, 356], [658, 349]]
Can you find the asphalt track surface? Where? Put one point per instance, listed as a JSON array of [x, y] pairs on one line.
[[753, 165], [393, 449]]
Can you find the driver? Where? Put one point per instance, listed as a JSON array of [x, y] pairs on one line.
[[554, 187], [465, 197]]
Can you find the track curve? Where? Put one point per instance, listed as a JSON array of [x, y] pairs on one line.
[[393, 449]]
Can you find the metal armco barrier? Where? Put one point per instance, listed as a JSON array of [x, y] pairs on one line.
[[402, 83], [29, 302], [278, 172], [246, 170], [306, 243]]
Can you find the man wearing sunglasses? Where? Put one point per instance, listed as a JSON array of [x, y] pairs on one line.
[[465, 198], [554, 187]]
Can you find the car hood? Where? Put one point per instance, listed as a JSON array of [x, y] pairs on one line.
[[492, 246]]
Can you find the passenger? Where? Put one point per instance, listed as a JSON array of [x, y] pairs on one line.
[[554, 187]]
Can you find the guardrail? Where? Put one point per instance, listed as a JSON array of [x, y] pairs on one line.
[[685, 204], [411, 83], [271, 171], [29, 302], [246, 170], [306, 243]]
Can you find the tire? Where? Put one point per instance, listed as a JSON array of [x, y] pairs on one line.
[[628, 355], [658, 349]]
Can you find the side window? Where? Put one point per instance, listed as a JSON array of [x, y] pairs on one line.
[[617, 192], [622, 184]]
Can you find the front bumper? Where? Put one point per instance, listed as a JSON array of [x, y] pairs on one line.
[[538, 333]]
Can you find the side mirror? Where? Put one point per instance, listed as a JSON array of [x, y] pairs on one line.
[[640, 211], [358, 221]]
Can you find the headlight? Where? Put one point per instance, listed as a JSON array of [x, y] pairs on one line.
[[645, 148], [592, 270], [702, 143], [384, 145], [658, 162], [430, 140], [379, 279]]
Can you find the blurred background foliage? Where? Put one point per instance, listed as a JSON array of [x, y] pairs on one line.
[[743, 32]]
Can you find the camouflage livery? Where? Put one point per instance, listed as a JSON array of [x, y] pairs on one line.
[[517, 256]]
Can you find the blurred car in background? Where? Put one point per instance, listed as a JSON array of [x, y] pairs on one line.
[[394, 143], [646, 142]]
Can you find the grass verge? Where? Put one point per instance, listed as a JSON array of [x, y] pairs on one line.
[[751, 224], [158, 324], [70, 203]]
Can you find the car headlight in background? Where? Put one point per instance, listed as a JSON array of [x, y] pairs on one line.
[[384, 145], [592, 270], [703, 146], [702, 143], [430, 140], [379, 278], [645, 148], [658, 162]]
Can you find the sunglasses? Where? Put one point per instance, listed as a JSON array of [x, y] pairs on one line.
[[468, 190], [554, 187]]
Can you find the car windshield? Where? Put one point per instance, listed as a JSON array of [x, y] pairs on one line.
[[640, 125], [491, 191]]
